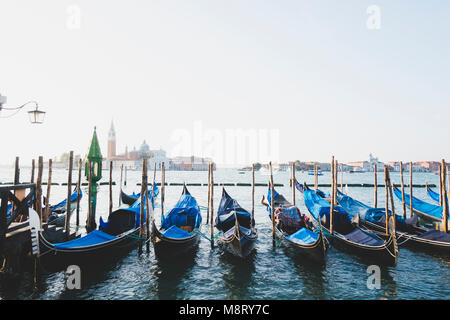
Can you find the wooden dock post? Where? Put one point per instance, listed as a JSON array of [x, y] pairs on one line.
[[16, 171], [445, 197], [80, 165], [391, 196], [209, 193], [125, 181], [89, 217], [212, 206], [143, 201], [253, 196], [272, 210], [387, 199], [163, 188], [342, 177], [403, 190], [316, 179], [149, 214], [49, 184], [411, 188], [69, 194], [32, 171], [336, 168], [39, 188], [121, 177], [110, 186], [293, 183], [375, 196], [332, 195], [440, 185]]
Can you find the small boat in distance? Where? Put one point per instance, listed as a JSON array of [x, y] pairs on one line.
[[311, 173]]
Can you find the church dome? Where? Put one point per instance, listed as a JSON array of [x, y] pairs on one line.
[[144, 147]]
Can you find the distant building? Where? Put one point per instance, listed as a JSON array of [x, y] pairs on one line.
[[190, 164], [133, 159], [367, 166]]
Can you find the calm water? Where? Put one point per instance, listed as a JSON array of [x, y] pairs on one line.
[[270, 273]]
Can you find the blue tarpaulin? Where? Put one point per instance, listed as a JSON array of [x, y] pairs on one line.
[[303, 236], [95, 237], [186, 212], [420, 206]]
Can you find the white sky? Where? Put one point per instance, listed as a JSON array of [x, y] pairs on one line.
[[310, 69]]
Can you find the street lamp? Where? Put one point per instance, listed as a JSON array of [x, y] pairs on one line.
[[36, 116]]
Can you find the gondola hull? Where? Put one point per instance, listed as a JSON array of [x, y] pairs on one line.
[[60, 258], [239, 245], [126, 199], [315, 252], [412, 241], [169, 247], [385, 254]]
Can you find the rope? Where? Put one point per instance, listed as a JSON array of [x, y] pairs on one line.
[[204, 236]]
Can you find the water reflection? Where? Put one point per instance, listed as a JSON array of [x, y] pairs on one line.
[[237, 274], [171, 276]]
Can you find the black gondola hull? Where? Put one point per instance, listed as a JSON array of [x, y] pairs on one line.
[[385, 254], [315, 252], [126, 199], [412, 241], [238, 245], [168, 247], [55, 258]]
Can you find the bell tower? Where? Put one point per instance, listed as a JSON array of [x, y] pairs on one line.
[[111, 142]]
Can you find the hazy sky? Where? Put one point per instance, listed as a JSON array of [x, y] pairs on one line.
[[312, 70]]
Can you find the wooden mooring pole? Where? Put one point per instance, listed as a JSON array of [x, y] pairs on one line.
[[110, 187], [39, 188], [143, 200], [375, 196], [272, 211], [212, 206], [163, 189], [403, 190], [49, 185], [445, 198], [386, 199], [89, 217], [391, 196], [69, 194], [411, 188], [293, 182], [32, 171], [80, 165], [121, 177], [253, 196], [440, 185], [209, 193], [332, 194]]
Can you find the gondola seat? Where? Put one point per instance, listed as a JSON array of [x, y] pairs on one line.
[[365, 238], [303, 236], [175, 232]]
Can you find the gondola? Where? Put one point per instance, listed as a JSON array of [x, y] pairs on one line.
[[295, 231], [57, 214], [238, 233], [180, 228], [347, 235], [424, 210], [408, 232], [117, 234], [130, 199]]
